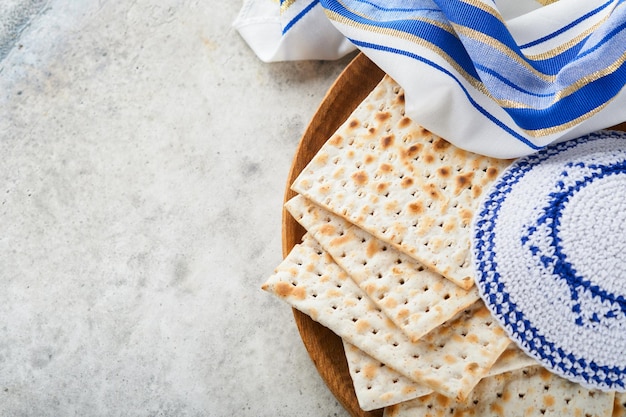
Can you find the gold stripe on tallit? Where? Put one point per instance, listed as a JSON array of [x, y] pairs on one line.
[[503, 49], [590, 78], [286, 4], [575, 40], [556, 129], [476, 83]]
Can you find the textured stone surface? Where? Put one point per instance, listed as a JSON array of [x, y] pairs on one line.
[[144, 156]]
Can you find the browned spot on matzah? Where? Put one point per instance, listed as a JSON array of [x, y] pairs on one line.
[[545, 374], [325, 189], [414, 150], [497, 409], [387, 141], [448, 227], [362, 325], [321, 158], [408, 390], [433, 191], [369, 159], [360, 177], [463, 181], [443, 401], [372, 248], [477, 190], [416, 208], [492, 173], [471, 367], [382, 116], [336, 140], [369, 371], [404, 122], [284, 290], [498, 330], [333, 293], [441, 144], [449, 359], [406, 182], [506, 396], [353, 123], [386, 168], [327, 229], [444, 172], [381, 187], [465, 216], [339, 240]]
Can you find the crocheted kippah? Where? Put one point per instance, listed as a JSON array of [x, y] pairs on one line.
[[549, 247]]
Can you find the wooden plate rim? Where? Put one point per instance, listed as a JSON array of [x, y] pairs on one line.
[[325, 347]]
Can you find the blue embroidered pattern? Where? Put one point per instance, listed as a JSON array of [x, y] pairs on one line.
[[609, 306], [547, 229]]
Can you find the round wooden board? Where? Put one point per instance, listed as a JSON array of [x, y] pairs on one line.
[[324, 346]]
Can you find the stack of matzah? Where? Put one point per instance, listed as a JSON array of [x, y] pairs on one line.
[[385, 264]]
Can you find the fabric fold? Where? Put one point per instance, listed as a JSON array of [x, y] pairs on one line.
[[499, 83], [298, 32]]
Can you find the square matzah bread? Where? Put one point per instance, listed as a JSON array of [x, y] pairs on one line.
[[512, 359], [527, 392], [377, 386], [406, 186], [416, 299], [450, 360]]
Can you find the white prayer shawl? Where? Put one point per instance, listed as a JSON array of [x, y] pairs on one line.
[[502, 79]]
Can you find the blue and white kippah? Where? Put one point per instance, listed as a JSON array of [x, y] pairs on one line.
[[549, 247]]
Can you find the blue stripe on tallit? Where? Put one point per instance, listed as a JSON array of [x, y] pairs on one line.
[[386, 8], [586, 99], [461, 13], [441, 38], [299, 16], [535, 112], [568, 26]]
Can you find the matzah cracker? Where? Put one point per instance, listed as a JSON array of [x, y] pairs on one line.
[[401, 183], [416, 299], [527, 392], [450, 360], [512, 359], [375, 384]]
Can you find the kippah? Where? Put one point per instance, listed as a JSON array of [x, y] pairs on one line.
[[549, 249]]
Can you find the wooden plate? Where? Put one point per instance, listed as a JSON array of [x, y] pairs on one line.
[[324, 346]]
